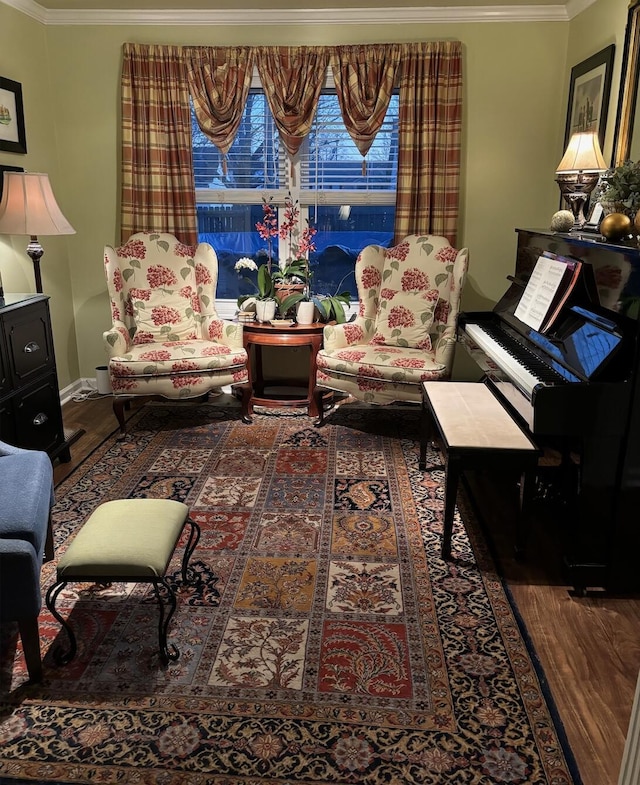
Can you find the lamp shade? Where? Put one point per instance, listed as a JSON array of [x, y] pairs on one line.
[[583, 154], [29, 207]]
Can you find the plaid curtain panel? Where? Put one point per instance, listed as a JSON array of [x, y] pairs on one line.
[[158, 189], [158, 186], [292, 78], [429, 139], [365, 77], [219, 83]]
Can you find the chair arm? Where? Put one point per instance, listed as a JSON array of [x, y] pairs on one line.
[[9, 449], [116, 340], [339, 336], [223, 331]]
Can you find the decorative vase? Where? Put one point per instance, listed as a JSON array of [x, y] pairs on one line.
[[265, 310]]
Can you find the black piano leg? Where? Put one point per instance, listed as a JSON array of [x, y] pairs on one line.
[[523, 525]]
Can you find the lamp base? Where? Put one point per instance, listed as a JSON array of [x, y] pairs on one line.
[[575, 188], [35, 251]]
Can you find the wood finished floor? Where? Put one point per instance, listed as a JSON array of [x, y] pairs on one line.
[[589, 646]]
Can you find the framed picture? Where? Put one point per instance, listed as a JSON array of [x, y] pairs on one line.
[[12, 136], [589, 91], [4, 169]]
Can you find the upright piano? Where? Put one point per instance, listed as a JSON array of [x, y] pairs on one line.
[[575, 387]]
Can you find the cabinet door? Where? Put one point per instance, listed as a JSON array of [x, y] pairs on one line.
[[29, 344], [37, 415], [7, 422]]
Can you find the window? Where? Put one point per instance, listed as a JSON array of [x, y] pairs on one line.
[[350, 205]]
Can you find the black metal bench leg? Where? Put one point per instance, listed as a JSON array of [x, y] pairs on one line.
[[59, 655], [194, 538], [452, 476], [167, 653]]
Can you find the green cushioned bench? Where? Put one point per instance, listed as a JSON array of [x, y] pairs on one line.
[[128, 540]]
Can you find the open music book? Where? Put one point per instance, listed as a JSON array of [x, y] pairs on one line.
[[551, 282]]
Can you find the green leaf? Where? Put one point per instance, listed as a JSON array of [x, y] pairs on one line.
[[112, 339], [135, 263], [441, 278], [290, 301], [265, 283], [149, 370], [163, 244], [185, 273], [386, 274], [126, 274]]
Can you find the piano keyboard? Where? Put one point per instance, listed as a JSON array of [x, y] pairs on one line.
[[524, 369]]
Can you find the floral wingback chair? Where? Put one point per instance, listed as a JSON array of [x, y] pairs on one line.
[[166, 338], [405, 331]]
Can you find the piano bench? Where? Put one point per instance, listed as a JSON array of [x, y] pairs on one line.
[[475, 432]]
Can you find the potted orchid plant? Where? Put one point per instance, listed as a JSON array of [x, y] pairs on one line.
[[292, 278], [264, 296]]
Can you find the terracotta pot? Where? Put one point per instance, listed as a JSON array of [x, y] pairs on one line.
[[283, 290]]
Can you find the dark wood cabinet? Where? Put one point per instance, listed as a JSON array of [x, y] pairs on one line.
[[30, 411]]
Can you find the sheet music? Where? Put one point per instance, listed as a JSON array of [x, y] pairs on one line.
[[538, 296]]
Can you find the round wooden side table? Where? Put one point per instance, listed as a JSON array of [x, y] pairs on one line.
[[254, 392]]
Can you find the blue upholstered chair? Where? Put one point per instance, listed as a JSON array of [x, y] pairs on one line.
[[26, 498]]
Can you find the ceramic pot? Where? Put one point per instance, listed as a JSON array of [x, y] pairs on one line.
[[265, 310], [306, 313]]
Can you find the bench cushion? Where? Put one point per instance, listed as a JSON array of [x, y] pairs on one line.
[[130, 539], [470, 417]]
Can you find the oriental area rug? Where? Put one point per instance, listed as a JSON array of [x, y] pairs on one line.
[[327, 641]]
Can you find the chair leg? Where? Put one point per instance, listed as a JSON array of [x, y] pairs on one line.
[[30, 636], [318, 399], [118, 410]]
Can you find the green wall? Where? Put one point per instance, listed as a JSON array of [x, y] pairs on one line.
[[516, 77]]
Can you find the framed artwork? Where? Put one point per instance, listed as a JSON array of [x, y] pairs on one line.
[[589, 91], [12, 135], [4, 169]]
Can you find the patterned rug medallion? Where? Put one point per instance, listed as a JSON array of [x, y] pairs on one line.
[[327, 642]]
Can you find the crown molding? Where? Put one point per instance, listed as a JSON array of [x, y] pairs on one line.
[[304, 16]]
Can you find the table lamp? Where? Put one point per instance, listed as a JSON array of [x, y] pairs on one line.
[[579, 171], [29, 207]]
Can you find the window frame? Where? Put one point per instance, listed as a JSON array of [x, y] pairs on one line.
[[305, 197]]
